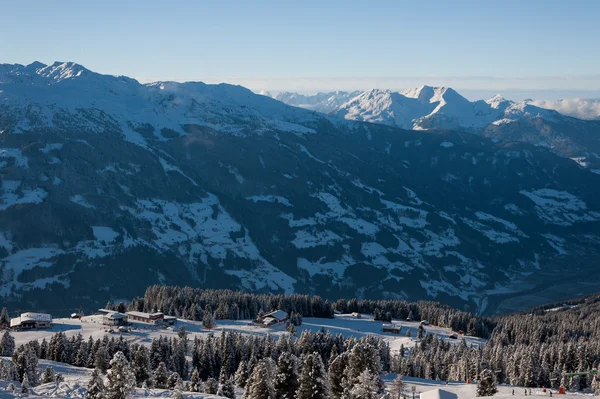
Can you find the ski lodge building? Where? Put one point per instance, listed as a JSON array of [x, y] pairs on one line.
[[31, 320], [114, 319]]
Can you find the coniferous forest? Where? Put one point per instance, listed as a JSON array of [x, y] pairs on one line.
[[552, 346]]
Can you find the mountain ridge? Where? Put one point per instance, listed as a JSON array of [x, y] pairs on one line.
[[214, 186]]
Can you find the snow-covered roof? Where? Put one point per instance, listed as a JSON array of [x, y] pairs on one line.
[[278, 314], [115, 315], [145, 315], [31, 316], [438, 394]]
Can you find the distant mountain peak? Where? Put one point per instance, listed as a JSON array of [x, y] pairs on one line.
[[60, 71]]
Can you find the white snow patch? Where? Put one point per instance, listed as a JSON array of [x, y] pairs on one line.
[[447, 144], [310, 239], [104, 233], [80, 200]]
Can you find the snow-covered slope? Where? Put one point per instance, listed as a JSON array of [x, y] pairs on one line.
[[214, 186]]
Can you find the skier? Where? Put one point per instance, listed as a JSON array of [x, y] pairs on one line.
[[550, 393], [513, 392], [525, 391]]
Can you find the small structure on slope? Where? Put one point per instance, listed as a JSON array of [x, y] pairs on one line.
[[278, 316], [392, 328]]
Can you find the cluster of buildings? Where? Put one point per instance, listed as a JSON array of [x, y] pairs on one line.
[[114, 318], [32, 320]]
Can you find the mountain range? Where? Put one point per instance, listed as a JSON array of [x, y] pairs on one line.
[[109, 185], [426, 108]]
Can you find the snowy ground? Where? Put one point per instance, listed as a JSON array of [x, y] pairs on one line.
[[467, 391], [344, 324]]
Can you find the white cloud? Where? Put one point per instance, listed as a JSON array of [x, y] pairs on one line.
[[578, 107]]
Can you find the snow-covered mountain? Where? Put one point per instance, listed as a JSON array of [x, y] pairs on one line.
[[109, 185], [426, 108], [321, 102]]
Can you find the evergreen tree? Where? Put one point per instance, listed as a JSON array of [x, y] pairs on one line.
[[25, 384], [120, 378], [211, 386], [48, 375], [195, 381], [141, 365], [258, 385], [95, 387], [161, 376], [208, 321], [336, 374], [7, 344], [227, 389], [4, 319], [397, 388], [177, 394], [101, 359], [313, 381], [367, 386], [286, 377], [242, 374], [486, 386]]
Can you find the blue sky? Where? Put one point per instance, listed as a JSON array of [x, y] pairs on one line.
[[550, 48]]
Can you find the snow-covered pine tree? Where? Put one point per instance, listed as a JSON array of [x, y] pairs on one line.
[[227, 389], [101, 359], [397, 388], [95, 387], [48, 375], [211, 386], [161, 376], [286, 376], [177, 394], [486, 386], [336, 374], [120, 378], [367, 386], [194, 381], [141, 365], [208, 321], [258, 386], [313, 380], [25, 384], [7, 344], [242, 374]]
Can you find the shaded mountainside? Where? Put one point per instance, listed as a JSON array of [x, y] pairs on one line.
[[213, 186]]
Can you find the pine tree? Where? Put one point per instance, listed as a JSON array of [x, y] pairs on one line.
[[101, 359], [486, 386], [397, 388], [48, 375], [95, 387], [258, 385], [208, 321], [141, 365], [313, 381], [195, 381], [242, 374], [367, 386], [161, 376], [120, 378], [25, 384], [7, 344], [286, 377], [4, 319], [211, 386], [177, 394], [336, 374], [227, 389]]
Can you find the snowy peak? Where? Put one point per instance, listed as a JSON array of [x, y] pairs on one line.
[[60, 71]]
